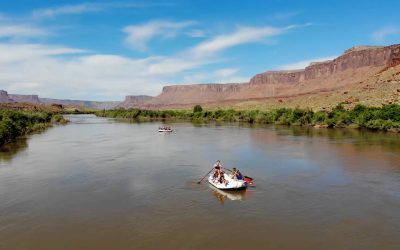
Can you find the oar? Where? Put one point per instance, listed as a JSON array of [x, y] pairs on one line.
[[205, 176]]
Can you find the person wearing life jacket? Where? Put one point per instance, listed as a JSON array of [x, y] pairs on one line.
[[236, 174]]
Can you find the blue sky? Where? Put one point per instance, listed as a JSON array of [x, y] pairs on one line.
[[103, 50]]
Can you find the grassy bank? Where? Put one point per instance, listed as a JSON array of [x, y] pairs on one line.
[[15, 123], [385, 118]]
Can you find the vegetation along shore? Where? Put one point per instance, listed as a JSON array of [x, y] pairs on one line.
[[16, 123], [386, 118]]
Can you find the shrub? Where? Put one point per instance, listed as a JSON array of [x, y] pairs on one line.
[[16, 123], [197, 109]]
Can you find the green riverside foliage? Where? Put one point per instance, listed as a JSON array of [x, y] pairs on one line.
[[197, 108], [14, 123], [384, 118]]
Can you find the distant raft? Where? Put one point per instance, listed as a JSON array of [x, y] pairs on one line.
[[232, 184], [165, 130]]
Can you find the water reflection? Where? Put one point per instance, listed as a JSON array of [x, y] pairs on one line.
[[223, 195], [10, 150]]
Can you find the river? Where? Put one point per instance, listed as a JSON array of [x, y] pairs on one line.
[[100, 183]]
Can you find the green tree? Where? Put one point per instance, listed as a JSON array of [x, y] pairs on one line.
[[197, 108]]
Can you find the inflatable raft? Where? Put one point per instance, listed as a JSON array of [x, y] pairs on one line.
[[232, 184], [165, 130]]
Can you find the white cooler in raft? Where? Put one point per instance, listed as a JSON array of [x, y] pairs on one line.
[[232, 184]]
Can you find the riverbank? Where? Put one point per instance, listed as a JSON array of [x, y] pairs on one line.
[[385, 118], [16, 123]]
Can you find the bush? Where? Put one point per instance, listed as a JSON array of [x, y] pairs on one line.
[[15, 123], [197, 109]]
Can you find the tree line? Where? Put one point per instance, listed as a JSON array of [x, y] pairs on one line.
[[384, 118]]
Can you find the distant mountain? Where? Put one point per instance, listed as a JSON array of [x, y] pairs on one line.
[[5, 98], [81, 103], [132, 101], [35, 99], [25, 98]]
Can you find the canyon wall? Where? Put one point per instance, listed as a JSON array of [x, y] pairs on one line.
[[25, 98], [4, 97], [132, 101], [193, 94], [356, 64], [81, 103], [36, 100], [352, 59]]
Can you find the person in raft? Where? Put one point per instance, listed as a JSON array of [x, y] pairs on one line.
[[222, 179], [217, 170], [236, 174]]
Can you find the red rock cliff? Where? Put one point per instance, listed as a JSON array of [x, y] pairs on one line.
[[134, 101], [194, 94], [356, 64], [354, 58], [26, 98]]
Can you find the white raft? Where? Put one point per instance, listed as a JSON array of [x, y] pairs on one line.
[[165, 130], [232, 184]]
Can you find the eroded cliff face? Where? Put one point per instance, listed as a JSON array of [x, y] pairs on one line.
[[177, 95], [81, 103], [36, 100], [355, 65], [134, 101], [4, 97], [26, 98], [353, 58]]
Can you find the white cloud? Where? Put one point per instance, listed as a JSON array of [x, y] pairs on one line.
[[11, 53], [74, 9], [68, 72], [381, 34], [304, 63], [140, 35], [240, 36], [66, 9], [65, 72], [20, 30]]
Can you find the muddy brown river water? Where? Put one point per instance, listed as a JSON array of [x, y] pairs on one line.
[[99, 183]]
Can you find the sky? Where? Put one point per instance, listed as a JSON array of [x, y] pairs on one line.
[[104, 50]]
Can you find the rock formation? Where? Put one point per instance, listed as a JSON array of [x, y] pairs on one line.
[[355, 65], [81, 103], [134, 101], [34, 99], [26, 98], [4, 97], [178, 95]]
